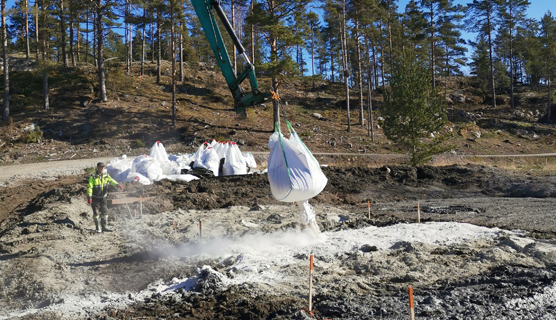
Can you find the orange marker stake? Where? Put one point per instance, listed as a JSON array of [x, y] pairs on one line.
[[418, 213], [175, 226], [135, 212], [311, 284], [411, 309]]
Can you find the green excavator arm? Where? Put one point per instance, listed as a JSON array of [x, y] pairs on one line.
[[205, 12]]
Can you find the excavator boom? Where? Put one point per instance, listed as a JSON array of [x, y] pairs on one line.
[[205, 10]]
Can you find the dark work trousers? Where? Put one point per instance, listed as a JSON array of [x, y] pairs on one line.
[[99, 208]]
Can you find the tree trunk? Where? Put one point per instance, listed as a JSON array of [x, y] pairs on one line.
[[63, 34], [130, 42], [45, 98], [549, 110], [512, 104], [95, 30], [6, 101], [181, 51], [433, 46], [252, 36], [313, 56], [100, 54], [72, 56], [87, 44], [143, 45], [492, 88], [78, 40], [234, 49], [27, 48], [126, 37], [37, 30], [375, 68], [173, 50], [360, 72], [345, 61], [158, 41], [152, 36], [370, 128], [332, 62], [383, 61]]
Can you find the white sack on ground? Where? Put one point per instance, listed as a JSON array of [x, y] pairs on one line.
[[294, 174], [158, 152], [221, 149], [250, 159], [137, 177], [118, 168], [147, 166], [208, 159], [235, 163]]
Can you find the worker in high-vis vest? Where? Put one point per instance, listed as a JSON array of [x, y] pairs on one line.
[[97, 190]]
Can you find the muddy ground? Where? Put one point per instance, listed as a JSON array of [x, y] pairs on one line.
[[54, 266]]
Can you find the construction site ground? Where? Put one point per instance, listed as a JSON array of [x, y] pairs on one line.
[[188, 250]]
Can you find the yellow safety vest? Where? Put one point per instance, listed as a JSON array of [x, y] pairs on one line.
[[98, 184]]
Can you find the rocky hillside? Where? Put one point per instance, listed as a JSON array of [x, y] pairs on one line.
[[138, 113]]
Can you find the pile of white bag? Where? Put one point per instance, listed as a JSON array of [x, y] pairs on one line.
[[159, 165]]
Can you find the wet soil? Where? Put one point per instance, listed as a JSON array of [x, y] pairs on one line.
[[47, 247]]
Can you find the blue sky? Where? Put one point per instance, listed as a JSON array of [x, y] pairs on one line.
[[536, 10]]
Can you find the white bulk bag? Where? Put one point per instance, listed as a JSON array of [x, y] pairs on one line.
[[208, 159], [158, 152], [294, 174], [250, 159], [235, 163], [118, 168], [170, 167], [222, 149], [147, 166], [137, 177]]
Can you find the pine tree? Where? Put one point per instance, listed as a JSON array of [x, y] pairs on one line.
[[271, 18], [412, 111], [548, 34], [513, 15], [483, 19], [451, 46], [415, 29]]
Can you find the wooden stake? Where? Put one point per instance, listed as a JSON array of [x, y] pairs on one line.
[[200, 229], [411, 309], [311, 284], [369, 207], [141, 206], [135, 213], [418, 213]]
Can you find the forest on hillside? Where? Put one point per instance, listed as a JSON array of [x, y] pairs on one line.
[[357, 42]]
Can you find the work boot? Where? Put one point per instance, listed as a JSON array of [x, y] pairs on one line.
[[97, 226], [104, 223]]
